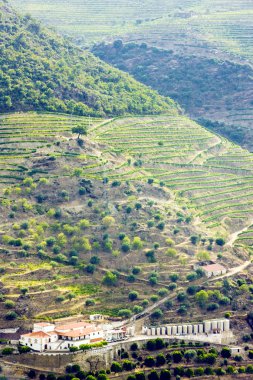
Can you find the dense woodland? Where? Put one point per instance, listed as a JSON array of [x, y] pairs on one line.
[[42, 71]]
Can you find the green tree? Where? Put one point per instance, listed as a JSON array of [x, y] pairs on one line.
[[110, 279], [201, 297], [149, 361], [133, 295], [177, 356], [160, 360], [226, 352], [116, 367], [80, 130]]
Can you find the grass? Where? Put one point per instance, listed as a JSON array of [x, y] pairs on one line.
[[224, 26], [118, 157]]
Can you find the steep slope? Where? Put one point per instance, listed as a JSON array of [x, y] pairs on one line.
[[215, 90], [132, 208], [191, 26], [40, 70]]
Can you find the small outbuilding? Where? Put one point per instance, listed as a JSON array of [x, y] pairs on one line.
[[214, 270]]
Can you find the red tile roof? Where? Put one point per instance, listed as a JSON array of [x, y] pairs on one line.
[[38, 334], [213, 268], [72, 326], [77, 333]]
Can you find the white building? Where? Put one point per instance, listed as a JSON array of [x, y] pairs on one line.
[[51, 337], [212, 326], [97, 317], [213, 270]]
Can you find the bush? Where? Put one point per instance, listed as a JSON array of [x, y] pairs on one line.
[[132, 296], [177, 356], [9, 304], [110, 279], [160, 360], [140, 375], [11, 316], [165, 374], [127, 365], [134, 347], [220, 242], [24, 349], [181, 297], [116, 367], [212, 306], [156, 314], [153, 375], [136, 270], [124, 313], [7, 351], [149, 361], [162, 292], [89, 302], [31, 374], [226, 352]]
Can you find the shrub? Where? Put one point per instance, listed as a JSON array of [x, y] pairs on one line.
[[226, 352], [110, 279], [165, 374], [7, 351], [220, 242], [177, 356], [31, 374], [24, 349], [171, 252], [108, 221], [137, 243], [162, 292], [160, 360], [212, 307], [89, 302], [140, 375], [9, 304], [116, 367], [11, 315], [181, 297], [60, 298], [153, 375], [174, 277], [168, 304], [127, 365], [156, 314], [149, 361], [133, 295], [136, 270], [124, 313]]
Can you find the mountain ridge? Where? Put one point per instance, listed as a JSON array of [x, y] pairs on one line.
[[45, 72]]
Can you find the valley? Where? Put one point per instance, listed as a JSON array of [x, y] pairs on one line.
[[126, 201]]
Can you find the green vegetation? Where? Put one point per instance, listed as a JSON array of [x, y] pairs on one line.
[[192, 26], [45, 72], [98, 250], [206, 88]]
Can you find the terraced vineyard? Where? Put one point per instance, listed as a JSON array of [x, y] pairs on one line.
[[195, 26], [207, 173], [155, 181], [32, 135]]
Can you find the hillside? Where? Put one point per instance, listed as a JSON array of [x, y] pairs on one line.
[[223, 28], [217, 92], [42, 71], [136, 203]]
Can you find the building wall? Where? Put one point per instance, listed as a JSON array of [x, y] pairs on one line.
[[206, 327]]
